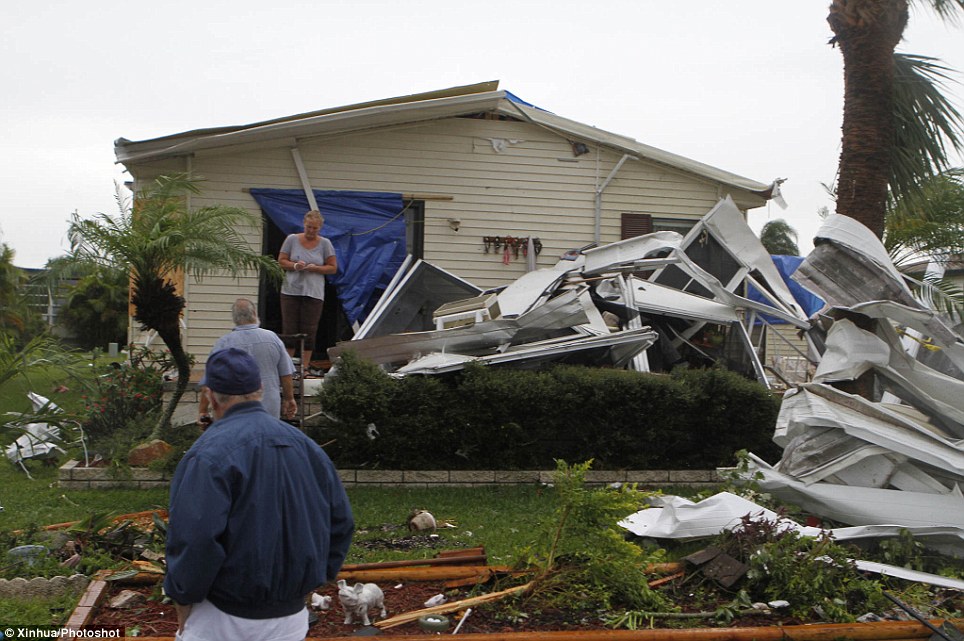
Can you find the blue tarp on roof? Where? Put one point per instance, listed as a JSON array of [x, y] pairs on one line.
[[366, 228], [807, 300]]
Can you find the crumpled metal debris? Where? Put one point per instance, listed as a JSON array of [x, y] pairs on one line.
[[876, 437], [38, 440], [559, 314]]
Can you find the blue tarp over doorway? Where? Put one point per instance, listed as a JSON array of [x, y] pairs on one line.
[[366, 228]]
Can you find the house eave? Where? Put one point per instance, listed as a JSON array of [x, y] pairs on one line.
[[407, 110]]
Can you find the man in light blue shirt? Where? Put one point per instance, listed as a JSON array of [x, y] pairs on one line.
[[273, 361]]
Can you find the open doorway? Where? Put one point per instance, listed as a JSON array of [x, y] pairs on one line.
[[334, 326]]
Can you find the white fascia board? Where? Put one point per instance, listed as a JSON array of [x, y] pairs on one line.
[[668, 301], [324, 124], [607, 257], [637, 339], [527, 291]]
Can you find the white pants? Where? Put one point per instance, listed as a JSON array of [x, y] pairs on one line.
[[206, 623]]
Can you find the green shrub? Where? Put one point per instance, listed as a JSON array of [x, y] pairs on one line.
[[120, 396], [490, 418]]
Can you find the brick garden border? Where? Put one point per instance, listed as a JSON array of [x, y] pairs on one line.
[[73, 476]]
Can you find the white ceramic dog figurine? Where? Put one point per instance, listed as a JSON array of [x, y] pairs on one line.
[[358, 600]]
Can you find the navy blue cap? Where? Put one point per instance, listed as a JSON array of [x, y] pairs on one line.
[[232, 371]]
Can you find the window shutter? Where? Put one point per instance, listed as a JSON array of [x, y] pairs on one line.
[[635, 225]]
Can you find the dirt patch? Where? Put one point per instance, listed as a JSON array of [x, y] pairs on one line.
[[153, 618]]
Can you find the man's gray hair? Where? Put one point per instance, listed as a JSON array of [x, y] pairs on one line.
[[243, 312]]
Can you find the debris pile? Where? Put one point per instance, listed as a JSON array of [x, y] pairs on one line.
[[649, 303], [38, 441], [874, 439], [877, 438]]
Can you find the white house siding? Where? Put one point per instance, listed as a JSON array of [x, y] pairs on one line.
[[535, 187]]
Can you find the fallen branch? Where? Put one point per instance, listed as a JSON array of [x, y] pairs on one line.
[[445, 608], [666, 579], [447, 560], [423, 573]]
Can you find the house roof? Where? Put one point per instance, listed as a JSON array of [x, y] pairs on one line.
[[433, 105]]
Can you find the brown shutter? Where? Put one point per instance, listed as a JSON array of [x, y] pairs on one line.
[[635, 225]]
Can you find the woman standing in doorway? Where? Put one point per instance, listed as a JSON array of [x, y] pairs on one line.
[[306, 258]]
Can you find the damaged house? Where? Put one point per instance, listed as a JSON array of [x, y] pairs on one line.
[[473, 181], [472, 226]]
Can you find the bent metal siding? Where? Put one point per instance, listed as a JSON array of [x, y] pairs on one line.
[[532, 186]]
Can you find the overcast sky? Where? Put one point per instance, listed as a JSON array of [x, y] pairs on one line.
[[748, 86]]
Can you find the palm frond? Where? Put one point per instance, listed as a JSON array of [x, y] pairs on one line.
[[940, 294], [947, 10], [928, 221], [927, 125]]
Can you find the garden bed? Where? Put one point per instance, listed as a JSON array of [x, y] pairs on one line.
[[154, 620]]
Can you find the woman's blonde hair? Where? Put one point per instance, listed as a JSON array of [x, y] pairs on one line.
[[315, 215]]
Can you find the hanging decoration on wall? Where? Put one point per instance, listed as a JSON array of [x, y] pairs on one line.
[[510, 247]]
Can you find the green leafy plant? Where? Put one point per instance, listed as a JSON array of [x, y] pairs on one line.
[[120, 397], [814, 574], [583, 557]]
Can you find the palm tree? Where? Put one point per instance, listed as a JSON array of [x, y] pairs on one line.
[[95, 311], [779, 238], [11, 280], [867, 32], [158, 238], [17, 318]]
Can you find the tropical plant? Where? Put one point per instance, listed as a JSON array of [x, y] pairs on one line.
[[928, 225], [96, 308], [927, 124], [157, 239], [779, 238], [583, 555], [17, 361], [17, 319], [867, 32]]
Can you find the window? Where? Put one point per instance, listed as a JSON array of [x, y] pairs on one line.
[[633, 224]]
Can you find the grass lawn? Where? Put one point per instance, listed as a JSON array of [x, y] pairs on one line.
[[504, 520], [500, 518]]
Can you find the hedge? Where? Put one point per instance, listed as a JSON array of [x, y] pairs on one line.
[[504, 419]]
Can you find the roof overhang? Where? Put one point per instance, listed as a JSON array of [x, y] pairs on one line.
[[407, 110]]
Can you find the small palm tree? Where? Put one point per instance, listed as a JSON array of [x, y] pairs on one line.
[[779, 238], [158, 238]]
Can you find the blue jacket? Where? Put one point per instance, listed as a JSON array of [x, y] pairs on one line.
[[258, 517]]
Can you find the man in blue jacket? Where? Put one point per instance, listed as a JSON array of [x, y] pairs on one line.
[[258, 517]]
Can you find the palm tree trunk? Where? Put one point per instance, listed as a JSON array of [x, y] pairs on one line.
[[173, 341], [868, 32], [157, 306]]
